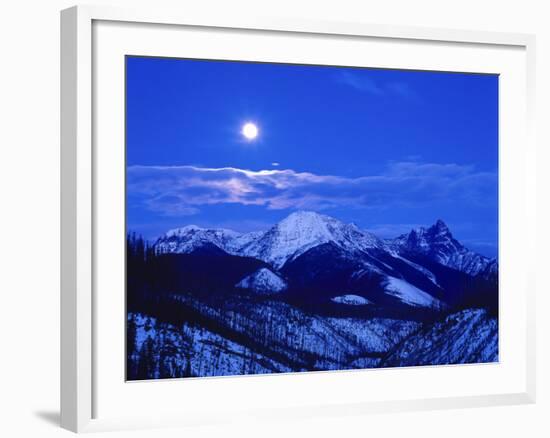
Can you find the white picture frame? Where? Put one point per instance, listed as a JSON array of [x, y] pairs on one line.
[[80, 170]]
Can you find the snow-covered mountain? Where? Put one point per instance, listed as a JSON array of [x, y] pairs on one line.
[[304, 230], [437, 243], [286, 240]]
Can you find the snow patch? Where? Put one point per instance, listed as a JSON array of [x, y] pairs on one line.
[[263, 281], [410, 294], [352, 300]]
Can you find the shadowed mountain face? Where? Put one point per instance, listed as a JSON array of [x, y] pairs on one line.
[[310, 269]]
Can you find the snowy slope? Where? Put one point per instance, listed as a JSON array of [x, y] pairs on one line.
[[410, 294], [162, 350], [241, 240], [469, 336], [420, 268], [263, 281], [267, 336], [301, 339], [374, 335]]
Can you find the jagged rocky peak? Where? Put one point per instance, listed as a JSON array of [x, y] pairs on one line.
[[438, 244], [427, 239], [440, 228]]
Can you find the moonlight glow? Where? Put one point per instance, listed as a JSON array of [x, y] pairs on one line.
[[250, 131]]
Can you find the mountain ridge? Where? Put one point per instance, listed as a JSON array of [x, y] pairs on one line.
[[303, 230], [314, 258]]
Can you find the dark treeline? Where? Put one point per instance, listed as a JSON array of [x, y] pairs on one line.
[[140, 275]]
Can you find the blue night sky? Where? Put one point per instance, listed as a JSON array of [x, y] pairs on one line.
[[386, 149]]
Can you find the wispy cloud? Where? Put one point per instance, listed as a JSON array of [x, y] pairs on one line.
[[402, 89], [359, 82], [182, 190], [362, 82]]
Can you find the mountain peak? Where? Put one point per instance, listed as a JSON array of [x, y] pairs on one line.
[[191, 237], [309, 213], [440, 226], [182, 230], [438, 231], [303, 230], [306, 216], [308, 226]]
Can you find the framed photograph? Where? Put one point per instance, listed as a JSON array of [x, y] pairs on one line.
[[253, 208]]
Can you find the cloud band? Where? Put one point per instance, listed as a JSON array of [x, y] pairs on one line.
[[182, 190]]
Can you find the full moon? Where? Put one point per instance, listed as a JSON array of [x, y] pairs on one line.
[[250, 131]]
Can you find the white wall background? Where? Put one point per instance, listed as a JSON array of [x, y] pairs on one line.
[[29, 215]]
